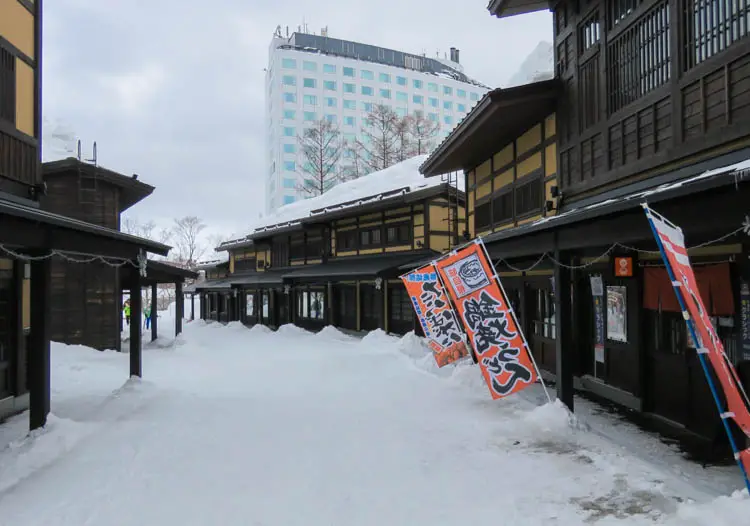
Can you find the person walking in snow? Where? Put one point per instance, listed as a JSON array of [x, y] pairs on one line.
[[126, 311], [147, 315]]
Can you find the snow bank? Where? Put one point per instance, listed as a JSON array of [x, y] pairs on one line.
[[329, 332], [259, 329], [291, 330]]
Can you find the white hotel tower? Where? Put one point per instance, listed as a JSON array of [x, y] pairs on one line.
[[310, 77]]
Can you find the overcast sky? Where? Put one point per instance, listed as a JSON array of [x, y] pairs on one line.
[[173, 89]]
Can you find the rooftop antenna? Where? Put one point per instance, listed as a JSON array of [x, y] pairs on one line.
[[287, 31], [79, 149], [94, 158]]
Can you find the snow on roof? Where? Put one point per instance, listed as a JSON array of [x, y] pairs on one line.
[[399, 179], [221, 257]]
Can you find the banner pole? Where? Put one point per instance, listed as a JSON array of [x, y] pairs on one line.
[[701, 357], [515, 319]]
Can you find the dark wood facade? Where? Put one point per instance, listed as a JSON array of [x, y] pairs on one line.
[[87, 299]]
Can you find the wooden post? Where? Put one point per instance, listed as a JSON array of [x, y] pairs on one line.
[[154, 313], [18, 353], [179, 308], [136, 300], [565, 357], [39, 343], [192, 306]]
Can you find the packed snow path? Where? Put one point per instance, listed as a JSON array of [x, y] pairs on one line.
[[245, 427]]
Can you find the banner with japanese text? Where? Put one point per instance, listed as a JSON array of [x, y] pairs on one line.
[[501, 349], [675, 255], [435, 314]]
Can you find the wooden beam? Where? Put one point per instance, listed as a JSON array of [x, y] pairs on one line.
[[39, 343], [154, 313], [565, 356], [136, 362], [179, 308]]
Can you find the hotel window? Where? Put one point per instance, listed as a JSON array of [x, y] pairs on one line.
[[447, 90], [329, 68], [310, 83], [288, 63], [331, 118], [350, 138], [330, 85], [448, 119], [401, 112], [385, 93], [289, 166], [350, 104], [447, 105], [402, 97], [350, 88], [289, 199], [309, 66], [367, 106], [290, 148], [433, 117], [290, 114], [331, 102], [350, 121], [475, 96], [366, 75], [434, 102], [431, 86], [417, 84], [310, 116], [290, 97], [461, 93], [289, 80], [461, 107], [310, 100], [290, 183], [367, 90], [348, 72], [289, 131], [401, 81], [384, 77], [417, 99]]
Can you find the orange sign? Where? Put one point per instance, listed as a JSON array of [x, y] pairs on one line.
[[501, 349], [435, 314], [624, 267]]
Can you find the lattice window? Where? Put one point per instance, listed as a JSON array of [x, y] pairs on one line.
[[7, 86], [639, 58], [711, 26]]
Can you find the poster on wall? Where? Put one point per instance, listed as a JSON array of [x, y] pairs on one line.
[[617, 313], [500, 347], [745, 319], [597, 292], [435, 314], [250, 305]]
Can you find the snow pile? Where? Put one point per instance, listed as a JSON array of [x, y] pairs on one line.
[[331, 333], [260, 330], [292, 330], [538, 66]]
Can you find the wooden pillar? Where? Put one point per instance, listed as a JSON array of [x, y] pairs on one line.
[[154, 313], [18, 352], [179, 309], [39, 343], [192, 306], [136, 300], [330, 318], [565, 357], [384, 305]]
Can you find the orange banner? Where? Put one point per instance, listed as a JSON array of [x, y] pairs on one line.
[[435, 314], [501, 349]]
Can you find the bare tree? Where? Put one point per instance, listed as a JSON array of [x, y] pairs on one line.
[[216, 239], [356, 165], [187, 238], [402, 131], [423, 132], [322, 148], [382, 145], [148, 230]]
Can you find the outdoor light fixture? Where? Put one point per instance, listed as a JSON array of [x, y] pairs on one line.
[[378, 283], [287, 289], [420, 244]]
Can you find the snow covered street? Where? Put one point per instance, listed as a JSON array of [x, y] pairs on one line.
[[233, 426]]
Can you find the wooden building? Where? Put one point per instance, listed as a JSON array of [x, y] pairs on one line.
[[30, 236], [338, 262], [647, 105]]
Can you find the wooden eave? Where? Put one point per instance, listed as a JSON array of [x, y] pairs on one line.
[[508, 8], [498, 118]]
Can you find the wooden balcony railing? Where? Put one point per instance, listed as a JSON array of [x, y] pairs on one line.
[[18, 158]]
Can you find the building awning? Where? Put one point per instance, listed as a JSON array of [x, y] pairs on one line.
[[157, 273], [31, 227], [355, 267], [214, 285], [507, 8], [498, 118], [258, 279]]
